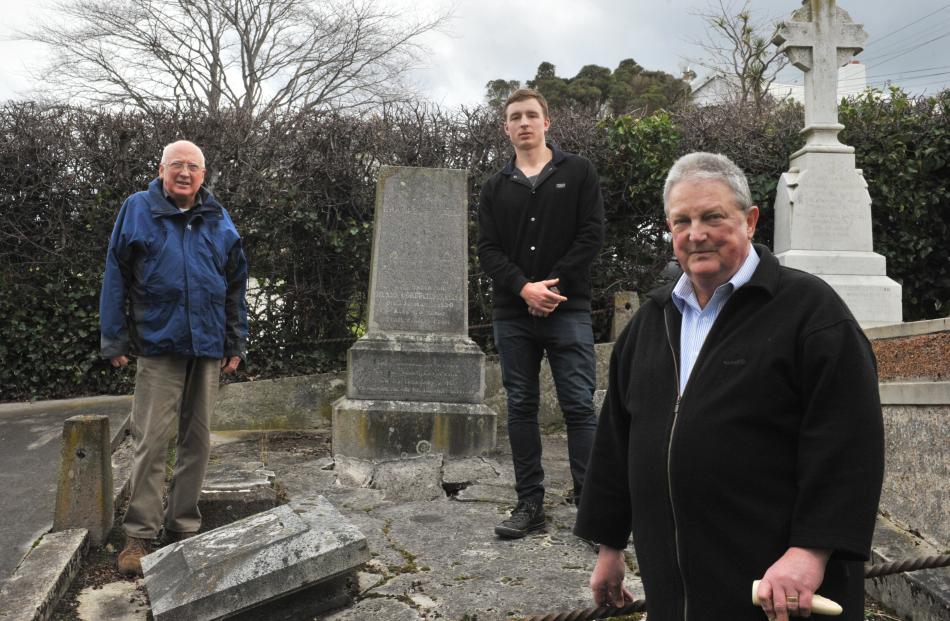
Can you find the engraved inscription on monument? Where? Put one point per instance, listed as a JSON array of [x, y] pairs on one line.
[[418, 281], [831, 213], [448, 376]]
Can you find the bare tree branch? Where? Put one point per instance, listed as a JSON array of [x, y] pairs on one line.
[[738, 47], [255, 56]]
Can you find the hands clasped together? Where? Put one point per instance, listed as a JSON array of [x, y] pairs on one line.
[[542, 297]]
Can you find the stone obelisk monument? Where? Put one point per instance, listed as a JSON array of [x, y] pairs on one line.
[[415, 380], [822, 205]]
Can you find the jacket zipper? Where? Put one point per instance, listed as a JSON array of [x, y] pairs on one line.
[[669, 453], [186, 243]]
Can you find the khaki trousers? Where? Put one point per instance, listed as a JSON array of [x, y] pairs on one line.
[[167, 387]]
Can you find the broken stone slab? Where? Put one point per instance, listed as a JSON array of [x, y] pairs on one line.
[[229, 495], [409, 479], [254, 561]]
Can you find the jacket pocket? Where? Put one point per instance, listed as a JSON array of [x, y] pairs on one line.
[[210, 249]]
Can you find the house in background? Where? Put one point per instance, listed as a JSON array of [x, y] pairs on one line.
[[718, 88]]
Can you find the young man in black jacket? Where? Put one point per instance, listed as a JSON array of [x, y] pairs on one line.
[[541, 223]]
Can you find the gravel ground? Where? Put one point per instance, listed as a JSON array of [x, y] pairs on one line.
[[913, 357]]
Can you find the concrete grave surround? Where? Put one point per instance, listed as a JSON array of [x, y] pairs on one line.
[[416, 381], [822, 205], [255, 560]]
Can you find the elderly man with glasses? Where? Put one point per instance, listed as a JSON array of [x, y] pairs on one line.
[[173, 294]]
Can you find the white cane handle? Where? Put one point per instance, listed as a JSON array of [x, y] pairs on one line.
[[819, 605]]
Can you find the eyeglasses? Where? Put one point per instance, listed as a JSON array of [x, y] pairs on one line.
[[177, 166]]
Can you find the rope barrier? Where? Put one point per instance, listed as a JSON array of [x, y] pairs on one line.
[[640, 605], [909, 564]]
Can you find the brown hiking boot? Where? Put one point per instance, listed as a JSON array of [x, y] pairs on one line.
[[130, 558]]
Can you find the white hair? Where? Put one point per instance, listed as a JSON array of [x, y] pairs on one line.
[[169, 147], [708, 167]]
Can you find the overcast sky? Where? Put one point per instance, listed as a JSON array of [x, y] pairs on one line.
[[909, 41]]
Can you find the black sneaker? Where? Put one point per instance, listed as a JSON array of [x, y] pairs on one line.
[[527, 517]]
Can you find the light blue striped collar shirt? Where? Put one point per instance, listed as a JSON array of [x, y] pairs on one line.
[[697, 322]]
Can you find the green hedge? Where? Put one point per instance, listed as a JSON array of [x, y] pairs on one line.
[[302, 189]]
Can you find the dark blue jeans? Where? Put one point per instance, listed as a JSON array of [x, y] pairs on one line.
[[568, 340]]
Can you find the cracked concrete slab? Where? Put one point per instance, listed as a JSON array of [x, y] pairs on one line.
[[470, 470]]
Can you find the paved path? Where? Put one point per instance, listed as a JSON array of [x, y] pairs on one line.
[[30, 438]]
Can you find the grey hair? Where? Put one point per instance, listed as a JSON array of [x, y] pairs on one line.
[[708, 167], [168, 148]]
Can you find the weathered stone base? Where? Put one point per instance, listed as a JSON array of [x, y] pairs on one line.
[[874, 300], [416, 367], [823, 227], [370, 429]]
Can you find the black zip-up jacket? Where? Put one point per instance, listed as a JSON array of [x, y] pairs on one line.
[[776, 441], [551, 230]]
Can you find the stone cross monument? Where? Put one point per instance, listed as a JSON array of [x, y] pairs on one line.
[[415, 380], [822, 205]]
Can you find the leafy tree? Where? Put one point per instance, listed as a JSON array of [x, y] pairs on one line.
[[498, 91], [628, 88], [551, 86], [253, 56], [635, 89]]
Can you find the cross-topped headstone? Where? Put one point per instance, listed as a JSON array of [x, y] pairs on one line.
[[822, 204], [820, 38]]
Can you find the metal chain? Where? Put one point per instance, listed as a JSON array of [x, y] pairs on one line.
[[640, 605]]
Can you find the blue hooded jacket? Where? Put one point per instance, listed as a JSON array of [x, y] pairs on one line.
[[175, 282]]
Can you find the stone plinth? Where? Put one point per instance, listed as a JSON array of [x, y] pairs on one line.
[[384, 429], [416, 381], [255, 560], [416, 367], [84, 490]]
